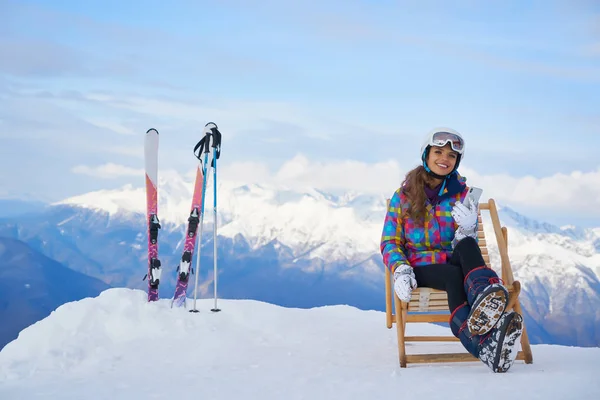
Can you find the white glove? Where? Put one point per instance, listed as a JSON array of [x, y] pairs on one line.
[[460, 234], [465, 217], [404, 282]]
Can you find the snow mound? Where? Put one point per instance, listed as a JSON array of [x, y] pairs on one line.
[[118, 346]]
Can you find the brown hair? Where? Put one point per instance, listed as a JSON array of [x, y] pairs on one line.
[[414, 188]]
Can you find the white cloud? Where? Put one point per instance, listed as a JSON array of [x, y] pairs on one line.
[[245, 172], [111, 125], [572, 193], [564, 197], [130, 151], [565, 193], [335, 175], [569, 194], [107, 171], [279, 118], [342, 174], [243, 115]]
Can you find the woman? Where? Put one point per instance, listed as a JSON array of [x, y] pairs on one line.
[[429, 239]]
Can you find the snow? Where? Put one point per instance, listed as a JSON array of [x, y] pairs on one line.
[[65, 221], [118, 346], [308, 221], [314, 223], [540, 250], [319, 224]]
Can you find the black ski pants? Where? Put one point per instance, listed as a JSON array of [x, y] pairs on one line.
[[450, 277]]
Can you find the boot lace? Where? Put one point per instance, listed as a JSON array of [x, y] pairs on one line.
[[483, 282]]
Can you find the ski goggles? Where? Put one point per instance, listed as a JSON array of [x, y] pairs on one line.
[[440, 139]]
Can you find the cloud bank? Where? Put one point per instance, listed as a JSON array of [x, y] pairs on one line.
[[576, 193]]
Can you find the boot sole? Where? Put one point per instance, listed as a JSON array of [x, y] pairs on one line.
[[509, 349], [486, 313]]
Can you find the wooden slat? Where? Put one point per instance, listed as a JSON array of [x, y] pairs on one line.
[[438, 301], [430, 290], [432, 296], [440, 294], [431, 339], [435, 294], [418, 308], [434, 302], [427, 317], [440, 298], [447, 357], [443, 357]]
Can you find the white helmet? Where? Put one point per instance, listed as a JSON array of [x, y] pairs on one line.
[[440, 137]]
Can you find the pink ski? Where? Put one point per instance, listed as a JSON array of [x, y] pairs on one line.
[[183, 271], [153, 224]]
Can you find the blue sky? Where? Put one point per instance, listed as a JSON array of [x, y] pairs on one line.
[[331, 81]]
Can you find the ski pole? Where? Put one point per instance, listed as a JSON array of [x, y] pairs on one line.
[[216, 145], [202, 146]]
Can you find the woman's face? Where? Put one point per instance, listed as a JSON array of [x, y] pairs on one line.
[[442, 160]]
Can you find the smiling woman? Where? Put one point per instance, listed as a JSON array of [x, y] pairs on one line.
[[429, 239]]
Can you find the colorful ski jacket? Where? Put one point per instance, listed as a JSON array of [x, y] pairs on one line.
[[402, 242]]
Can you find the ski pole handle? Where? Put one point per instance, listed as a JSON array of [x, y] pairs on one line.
[[216, 134], [203, 145]]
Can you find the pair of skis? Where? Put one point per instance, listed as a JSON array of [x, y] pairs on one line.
[[211, 138]]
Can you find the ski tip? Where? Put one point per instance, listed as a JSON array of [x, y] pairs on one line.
[[151, 130]]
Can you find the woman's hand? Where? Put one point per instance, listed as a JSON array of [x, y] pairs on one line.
[[404, 282], [465, 217]]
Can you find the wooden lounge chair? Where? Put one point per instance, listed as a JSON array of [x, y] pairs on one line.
[[430, 305]]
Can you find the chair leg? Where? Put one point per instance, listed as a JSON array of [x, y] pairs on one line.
[[400, 329], [388, 299], [514, 295], [525, 346]]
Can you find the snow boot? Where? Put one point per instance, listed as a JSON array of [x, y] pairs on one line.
[[458, 326], [487, 297], [499, 348]]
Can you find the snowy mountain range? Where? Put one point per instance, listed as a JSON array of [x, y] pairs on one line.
[[304, 248]]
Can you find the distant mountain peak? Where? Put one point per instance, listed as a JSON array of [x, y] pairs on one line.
[[332, 225]]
